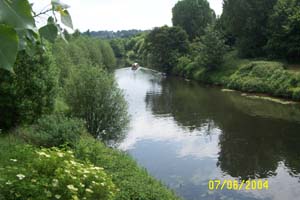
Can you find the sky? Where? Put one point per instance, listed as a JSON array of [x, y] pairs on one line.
[[120, 14]]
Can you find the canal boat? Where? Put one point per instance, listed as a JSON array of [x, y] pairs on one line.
[[135, 66]]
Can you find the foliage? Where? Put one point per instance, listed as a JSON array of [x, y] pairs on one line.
[[211, 49], [109, 59], [118, 47], [31, 173], [166, 45], [123, 34], [92, 95], [221, 76], [193, 16], [53, 131], [134, 183], [266, 77], [29, 92], [18, 29], [182, 68], [247, 21], [81, 51], [284, 30], [206, 54], [135, 49]]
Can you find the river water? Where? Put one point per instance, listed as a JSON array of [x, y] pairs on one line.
[[186, 134]]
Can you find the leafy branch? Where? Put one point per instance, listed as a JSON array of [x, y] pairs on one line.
[[18, 29]]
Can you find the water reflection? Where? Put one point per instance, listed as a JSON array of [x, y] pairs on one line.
[[186, 134]]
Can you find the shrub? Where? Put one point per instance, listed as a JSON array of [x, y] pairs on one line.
[[134, 182], [52, 174], [266, 77], [29, 92], [180, 68], [296, 93], [92, 95], [53, 130]]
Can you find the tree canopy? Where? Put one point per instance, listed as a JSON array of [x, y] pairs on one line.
[[284, 30], [247, 20], [193, 16], [164, 45]]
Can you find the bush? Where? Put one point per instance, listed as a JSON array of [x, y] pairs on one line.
[[266, 77], [134, 183], [29, 92], [92, 95], [53, 130], [52, 174], [181, 67]]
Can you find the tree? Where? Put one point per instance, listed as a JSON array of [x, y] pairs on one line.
[[284, 30], [165, 45], [211, 49], [118, 47], [247, 21], [193, 16], [29, 92], [93, 96]]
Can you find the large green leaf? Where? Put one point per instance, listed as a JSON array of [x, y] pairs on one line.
[[16, 13], [8, 47], [66, 18], [49, 32]]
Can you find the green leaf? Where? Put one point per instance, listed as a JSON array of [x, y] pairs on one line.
[[27, 41], [8, 47], [66, 18], [58, 5], [49, 32], [17, 14]]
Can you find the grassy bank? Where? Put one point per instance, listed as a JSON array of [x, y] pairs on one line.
[[254, 76], [30, 172]]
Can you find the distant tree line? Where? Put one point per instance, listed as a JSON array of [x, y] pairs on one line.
[[268, 29], [113, 34]]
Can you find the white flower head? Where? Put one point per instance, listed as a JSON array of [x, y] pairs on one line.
[[89, 190], [43, 154], [20, 176], [71, 187]]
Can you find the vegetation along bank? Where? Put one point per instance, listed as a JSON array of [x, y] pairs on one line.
[[252, 47], [61, 110], [53, 145]]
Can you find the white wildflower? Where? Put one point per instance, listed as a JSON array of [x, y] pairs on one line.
[[71, 187], [8, 183], [89, 190], [54, 182], [60, 154], [21, 176], [43, 154]]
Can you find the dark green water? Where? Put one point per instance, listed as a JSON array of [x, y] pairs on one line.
[[186, 134]]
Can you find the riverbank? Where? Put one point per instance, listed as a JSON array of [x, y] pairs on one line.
[[31, 170], [253, 76]]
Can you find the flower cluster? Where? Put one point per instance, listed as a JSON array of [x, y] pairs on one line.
[[55, 174]]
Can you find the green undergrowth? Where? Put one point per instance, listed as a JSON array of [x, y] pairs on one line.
[[254, 76], [134, 182], [85, 170], [266, 77]]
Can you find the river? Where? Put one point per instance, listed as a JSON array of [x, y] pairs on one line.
[[186, 134]]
